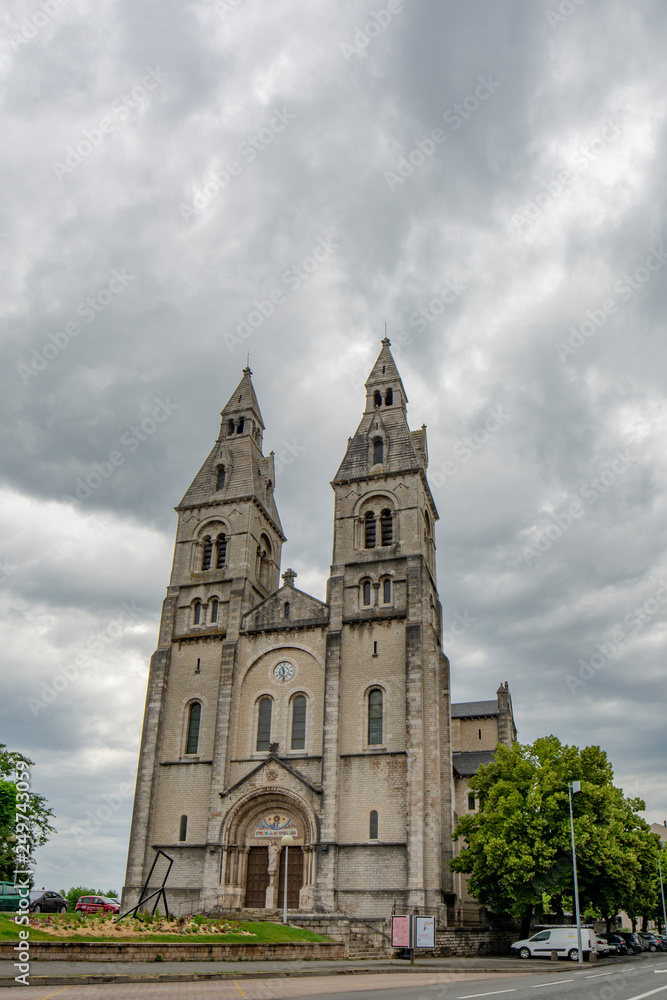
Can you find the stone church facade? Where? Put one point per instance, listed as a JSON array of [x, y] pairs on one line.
[[271, 712]]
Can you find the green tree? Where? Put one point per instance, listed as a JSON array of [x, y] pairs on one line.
[[517, 849], [32, 827]]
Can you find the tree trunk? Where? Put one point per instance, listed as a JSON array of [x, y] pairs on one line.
[[634, 924], [644, 923], [526, 921], [608, 919]]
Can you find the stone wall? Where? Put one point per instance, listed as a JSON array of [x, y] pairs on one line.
[[177, 951]]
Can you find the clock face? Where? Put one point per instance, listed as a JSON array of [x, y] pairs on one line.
[[283, 671]]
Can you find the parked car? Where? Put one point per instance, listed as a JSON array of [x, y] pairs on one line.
[[9, 896], [562, 940], [97, 904], [46, 901], [623, 947], [633, 942], [605, 947], [653, 942]]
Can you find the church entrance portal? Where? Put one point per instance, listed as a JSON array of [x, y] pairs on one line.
[[253, 869]]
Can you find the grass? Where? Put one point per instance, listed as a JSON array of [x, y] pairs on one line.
[[262, 932]]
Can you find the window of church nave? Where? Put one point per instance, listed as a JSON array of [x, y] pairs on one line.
[[264, 724], [214, 610], [194, 719], [375, 717], [196, 613], [373, 825], [184, 828], [386, 591], [378, 451], [221, 478], [298, 723], [366, 593]]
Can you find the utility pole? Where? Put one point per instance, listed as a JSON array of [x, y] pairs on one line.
[[572, 788]]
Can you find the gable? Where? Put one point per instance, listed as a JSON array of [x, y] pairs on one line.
[[304, 610]]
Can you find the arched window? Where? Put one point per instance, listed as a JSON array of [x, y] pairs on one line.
[[184, 828], [378, 451], [208, 553], [220, 551], [386, 592], [197, 612], [194, 718], [230, 427], [389, 397], [263, 556], [386, 527], [214, 610], [373, 825], [427, 524], [239, 429], [369, 526], [286, 609], [375, 717], [299, 723], [221, 477], [366, 593], [378, 398], [264, 724]]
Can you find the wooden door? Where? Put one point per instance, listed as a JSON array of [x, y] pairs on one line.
[[294, 878], [258, 877]]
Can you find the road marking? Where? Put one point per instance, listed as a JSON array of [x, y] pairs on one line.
[[649, 994], [596, 975], [557, 982], [241, 993], [656, 971], [469, 996]]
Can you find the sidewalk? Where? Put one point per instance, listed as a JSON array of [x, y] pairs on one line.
[[84, 973]]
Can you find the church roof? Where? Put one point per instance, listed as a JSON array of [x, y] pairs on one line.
[[384, 370], [466, 764], [243, 399], [474, 709], [304, 611]]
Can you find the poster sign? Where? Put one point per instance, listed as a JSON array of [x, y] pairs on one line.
[[424, 932], [400, 932]]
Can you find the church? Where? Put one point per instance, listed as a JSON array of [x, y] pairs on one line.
[[270, 712]]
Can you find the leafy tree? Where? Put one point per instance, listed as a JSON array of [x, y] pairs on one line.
[[32, 827], [517, 848]]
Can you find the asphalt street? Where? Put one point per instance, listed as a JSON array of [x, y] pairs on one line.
[[633, 980]]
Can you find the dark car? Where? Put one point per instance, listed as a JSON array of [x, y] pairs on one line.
[[47, 901], [632, 941], [624, 947], [97, 904], [10, 896], [654, 942]]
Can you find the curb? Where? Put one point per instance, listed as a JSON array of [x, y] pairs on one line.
[[193, 977]]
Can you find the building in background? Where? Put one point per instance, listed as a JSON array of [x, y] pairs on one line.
[[271, 712]]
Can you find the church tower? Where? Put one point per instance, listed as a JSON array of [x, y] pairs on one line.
[[226, 561]]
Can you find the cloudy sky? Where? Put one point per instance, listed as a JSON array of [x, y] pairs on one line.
[[485, 177]]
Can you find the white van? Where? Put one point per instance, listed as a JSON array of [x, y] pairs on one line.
[[562, 940]]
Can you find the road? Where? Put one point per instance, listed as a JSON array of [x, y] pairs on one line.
[[634, 980]]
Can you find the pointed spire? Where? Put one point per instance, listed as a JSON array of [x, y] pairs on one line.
[[384, 372], [243, 400]]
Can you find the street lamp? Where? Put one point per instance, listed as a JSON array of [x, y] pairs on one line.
[[286, 841], [572, 788]]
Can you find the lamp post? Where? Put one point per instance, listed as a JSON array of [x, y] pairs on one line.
[[286, 841], [662, 890], [572, 788]]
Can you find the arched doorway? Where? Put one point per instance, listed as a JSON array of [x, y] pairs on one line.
[[253, 867]]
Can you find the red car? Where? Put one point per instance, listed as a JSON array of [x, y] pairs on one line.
[[97, 904]]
